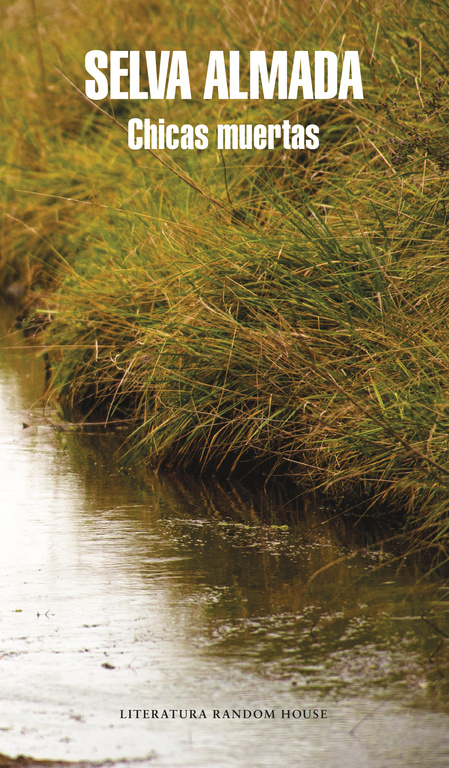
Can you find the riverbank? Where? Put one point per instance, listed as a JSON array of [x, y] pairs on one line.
[[170, 596], [276, 309]]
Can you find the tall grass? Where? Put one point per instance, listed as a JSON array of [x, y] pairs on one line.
[[301, 326]]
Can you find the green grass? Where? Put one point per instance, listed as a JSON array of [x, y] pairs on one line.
[[300, 324]]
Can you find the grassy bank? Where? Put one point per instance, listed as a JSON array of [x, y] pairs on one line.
[[296, 322]]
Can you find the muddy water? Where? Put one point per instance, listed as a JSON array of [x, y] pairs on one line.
[[118, 595]]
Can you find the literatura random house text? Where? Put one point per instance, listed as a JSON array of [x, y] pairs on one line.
[[223, 714], [146, 75]]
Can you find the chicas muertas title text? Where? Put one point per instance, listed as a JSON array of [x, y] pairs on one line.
[[146, 75]]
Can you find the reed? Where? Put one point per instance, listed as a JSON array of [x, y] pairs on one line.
[[300, 326]]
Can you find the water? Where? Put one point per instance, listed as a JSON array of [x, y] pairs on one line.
[[118, 595]]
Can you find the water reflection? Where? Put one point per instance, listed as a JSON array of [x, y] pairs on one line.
[[119, 594]]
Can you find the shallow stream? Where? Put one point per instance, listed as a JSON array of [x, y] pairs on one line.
[[164, 596]]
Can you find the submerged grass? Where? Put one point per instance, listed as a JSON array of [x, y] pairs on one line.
[[300, 324]]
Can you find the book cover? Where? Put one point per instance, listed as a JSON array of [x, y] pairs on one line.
[[223, 384]]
